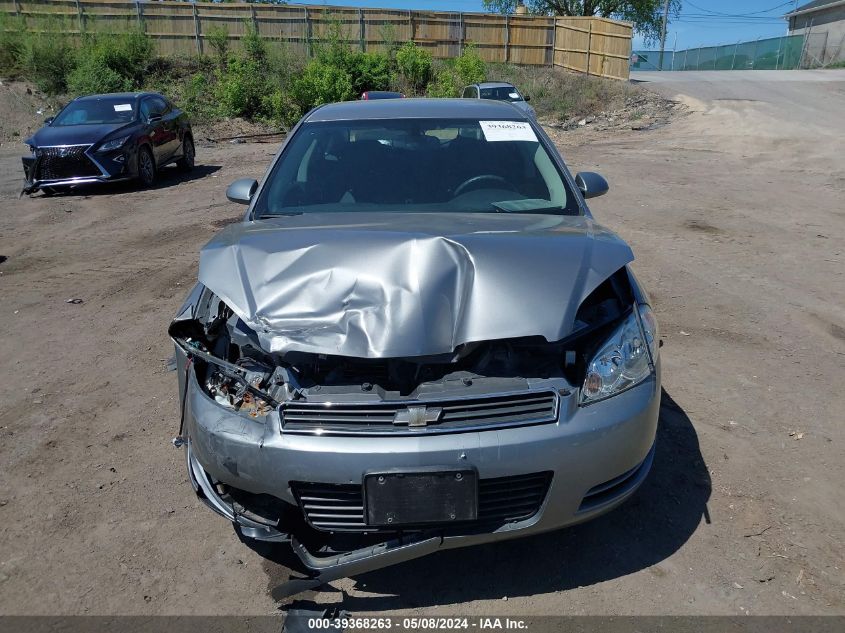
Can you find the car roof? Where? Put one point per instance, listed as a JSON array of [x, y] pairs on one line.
[[416, 109], [118, 95], [494, 84]]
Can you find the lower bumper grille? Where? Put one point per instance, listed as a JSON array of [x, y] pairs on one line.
[[602, 494], [339, 508], [58, 163]]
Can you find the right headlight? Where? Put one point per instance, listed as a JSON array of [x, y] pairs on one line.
[[625, 359], [113, 144]]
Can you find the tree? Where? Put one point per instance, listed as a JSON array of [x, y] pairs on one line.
[[647, 15]]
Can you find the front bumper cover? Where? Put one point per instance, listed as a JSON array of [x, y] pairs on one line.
[[205, 491], [113, 167], [586, 448]]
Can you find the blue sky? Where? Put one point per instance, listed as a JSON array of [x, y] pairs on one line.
[[708, 22], [700, 22]]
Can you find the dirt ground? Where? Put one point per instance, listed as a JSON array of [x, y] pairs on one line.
[[22, 111], [736, 213]]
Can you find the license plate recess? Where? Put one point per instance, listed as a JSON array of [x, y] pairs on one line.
[[400, 498]]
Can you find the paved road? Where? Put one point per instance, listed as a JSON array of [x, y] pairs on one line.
[[722, 78], [797, 98]]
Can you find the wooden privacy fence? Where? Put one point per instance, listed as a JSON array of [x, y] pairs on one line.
[[597, 46]]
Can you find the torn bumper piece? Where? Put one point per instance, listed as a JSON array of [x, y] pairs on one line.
[[324, 569], [329, 568], [205, 491]]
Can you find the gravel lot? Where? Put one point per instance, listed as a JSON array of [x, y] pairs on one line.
[[736, 213]]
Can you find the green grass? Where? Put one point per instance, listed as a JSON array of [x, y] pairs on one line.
[[267, 81]]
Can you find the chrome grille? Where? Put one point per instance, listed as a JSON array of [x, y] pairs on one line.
[[56, 163], [417, 416], [340, 508]]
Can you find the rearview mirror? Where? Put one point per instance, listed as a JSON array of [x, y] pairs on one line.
[[48, 120], [591, 184], [527, 97], [154, 118], [242, 190]]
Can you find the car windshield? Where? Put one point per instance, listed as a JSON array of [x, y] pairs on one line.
[[416, 166], [501, 93], [96, 112]]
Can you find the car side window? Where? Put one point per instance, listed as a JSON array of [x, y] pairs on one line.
[[158, 105], [145, 109]]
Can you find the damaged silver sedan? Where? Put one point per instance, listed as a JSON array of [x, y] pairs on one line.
[[418, 338]]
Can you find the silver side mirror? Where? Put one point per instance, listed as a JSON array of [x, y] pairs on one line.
[[242, 190], [591, 184]]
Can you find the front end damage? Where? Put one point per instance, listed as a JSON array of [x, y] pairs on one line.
[[282, 439]]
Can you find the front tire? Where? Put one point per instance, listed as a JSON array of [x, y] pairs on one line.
[[186, 163], [146, 167]]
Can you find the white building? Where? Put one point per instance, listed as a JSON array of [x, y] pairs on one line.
[[823, 24]]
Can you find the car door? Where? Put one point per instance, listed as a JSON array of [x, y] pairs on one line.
[[181, 125], [169, 126], [153, 121], [162, 128]]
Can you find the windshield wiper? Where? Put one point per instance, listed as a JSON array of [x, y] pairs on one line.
[[514, 206], [280, 215]]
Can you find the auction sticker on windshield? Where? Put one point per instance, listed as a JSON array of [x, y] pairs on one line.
[[507, 131], [123, 107]]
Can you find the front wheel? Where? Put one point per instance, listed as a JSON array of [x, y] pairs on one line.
[[186, 163], [146, 167]]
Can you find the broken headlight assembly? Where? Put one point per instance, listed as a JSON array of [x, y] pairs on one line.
[[233, 392], [236, 386], [625, 359]]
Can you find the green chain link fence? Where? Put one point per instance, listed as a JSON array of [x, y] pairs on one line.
[[776, 53]]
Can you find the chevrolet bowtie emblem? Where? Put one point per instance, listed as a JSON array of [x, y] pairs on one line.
[[417, 416]]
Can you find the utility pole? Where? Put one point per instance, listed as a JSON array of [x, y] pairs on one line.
[[663, 33], [674, 50]]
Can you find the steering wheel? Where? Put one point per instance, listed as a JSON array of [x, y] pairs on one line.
[[476, 179]]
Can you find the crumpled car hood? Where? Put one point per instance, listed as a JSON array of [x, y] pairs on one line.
[[388, 285]]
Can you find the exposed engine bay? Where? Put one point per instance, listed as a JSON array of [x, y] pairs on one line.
[[237, 373]]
